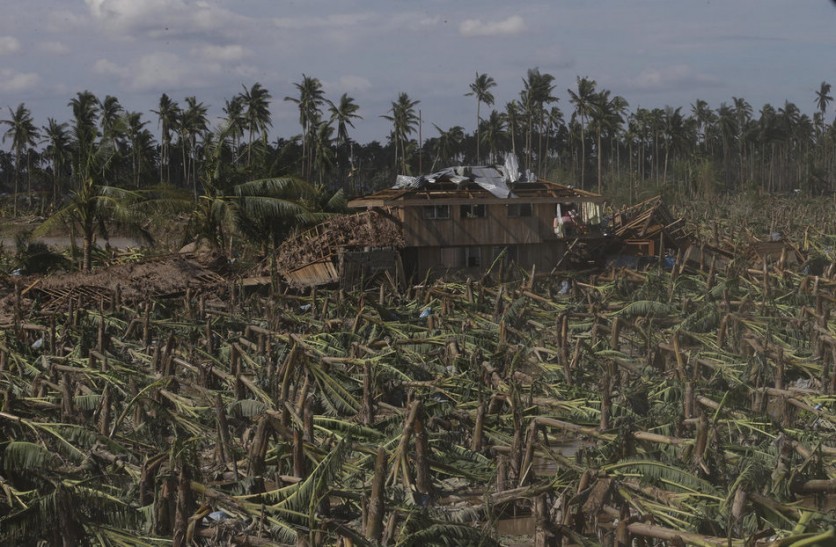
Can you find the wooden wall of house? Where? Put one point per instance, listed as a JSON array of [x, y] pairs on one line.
[[478, 258], [496, 228]]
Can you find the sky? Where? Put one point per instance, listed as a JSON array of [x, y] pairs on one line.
[[654, 53]]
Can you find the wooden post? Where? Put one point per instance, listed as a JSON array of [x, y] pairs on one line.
[[476, 440], [368, 395], [298, 454], [423, 478], [374, 522], [543, 535]]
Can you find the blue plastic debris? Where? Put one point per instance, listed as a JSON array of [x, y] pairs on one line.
[[426, 312], [216, 516]]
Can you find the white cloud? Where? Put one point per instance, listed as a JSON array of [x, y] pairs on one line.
[[8, 44], [109, 68], [54, 48], [11, 81], [670, 78], [352, 83], [64, 21], [233, 52], [334, 21], [161, 70], [476, 27], [248, 72], [163, 18]]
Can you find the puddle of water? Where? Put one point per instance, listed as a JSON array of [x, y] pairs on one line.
[[515, 527]]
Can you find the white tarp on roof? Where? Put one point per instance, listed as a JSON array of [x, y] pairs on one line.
[[493, 178]]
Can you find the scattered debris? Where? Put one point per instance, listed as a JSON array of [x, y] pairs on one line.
[[155, 278]]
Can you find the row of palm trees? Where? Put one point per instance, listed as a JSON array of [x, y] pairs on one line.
[[602, 144]]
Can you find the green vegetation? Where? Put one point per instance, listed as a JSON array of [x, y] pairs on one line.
[[694, 404], [593, 140]]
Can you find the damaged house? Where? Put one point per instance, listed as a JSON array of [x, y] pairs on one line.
[[458, 219], [464, 218]]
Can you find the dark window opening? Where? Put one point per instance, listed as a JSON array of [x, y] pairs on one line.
[[436, 212], [472, 257], [519, 210], [473, 211]]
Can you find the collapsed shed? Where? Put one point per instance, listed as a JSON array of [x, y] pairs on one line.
[[154, 278], [349, 249]]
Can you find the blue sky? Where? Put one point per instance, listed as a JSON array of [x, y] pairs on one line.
[[652, 52]]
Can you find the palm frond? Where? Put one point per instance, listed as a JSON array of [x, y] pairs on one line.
[[647, 307], [658, 471], [23, 456]]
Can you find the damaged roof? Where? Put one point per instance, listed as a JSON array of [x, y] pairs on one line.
[[473, 184]]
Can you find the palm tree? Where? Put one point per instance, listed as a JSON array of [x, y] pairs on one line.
[[23, 133], [110, 112], [343, 113], [481, 89], [141, 144], [323, 153], [96, 203], [493, 130], [168, 113], [704, 117], [85, 107], [674, 134], [512, 115], [447, 144], [310, 100], [823, 97], [769, 134], [57, 142], [582, 99], [404, 121], [256, 103], [727, 130], [536, 94], [554, 122], [234, 110], [606, 117], [743, 117], [264, 210], [192, 122]]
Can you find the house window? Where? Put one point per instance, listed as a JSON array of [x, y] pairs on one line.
[[436, 212], [519, 210], [473, 211], [472, 257]]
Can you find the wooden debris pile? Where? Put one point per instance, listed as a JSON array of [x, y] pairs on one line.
[[651, 220], [323, 242], [155, 278]]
